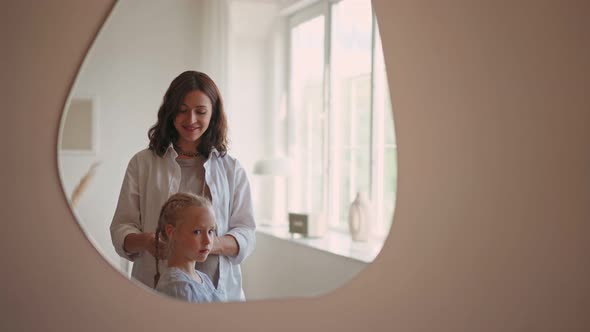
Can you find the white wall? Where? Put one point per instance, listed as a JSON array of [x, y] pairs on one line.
[[256, 84], [141, 48]]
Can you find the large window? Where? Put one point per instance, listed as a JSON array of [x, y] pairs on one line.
[[341, 137], [307, 124]]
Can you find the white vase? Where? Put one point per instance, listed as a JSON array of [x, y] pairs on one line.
[[359, 218]]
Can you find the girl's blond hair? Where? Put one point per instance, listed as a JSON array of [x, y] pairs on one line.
[[169, 216]]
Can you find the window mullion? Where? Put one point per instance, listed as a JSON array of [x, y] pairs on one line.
[[329, 161]]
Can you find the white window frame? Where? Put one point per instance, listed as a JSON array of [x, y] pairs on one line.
[[317, 9]]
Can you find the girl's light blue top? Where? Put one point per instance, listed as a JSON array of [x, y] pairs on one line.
[[176, 283]]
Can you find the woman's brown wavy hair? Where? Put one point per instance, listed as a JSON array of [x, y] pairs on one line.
[[163, 132]]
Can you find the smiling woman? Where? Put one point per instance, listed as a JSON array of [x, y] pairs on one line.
[[253, 54], [191, 104], [191, 119]]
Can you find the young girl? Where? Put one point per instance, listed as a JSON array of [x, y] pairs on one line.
[[187, 224]]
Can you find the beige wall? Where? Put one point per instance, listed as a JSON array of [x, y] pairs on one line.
[[492, 225]]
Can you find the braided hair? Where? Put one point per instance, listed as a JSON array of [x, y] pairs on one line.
[[169, 216]]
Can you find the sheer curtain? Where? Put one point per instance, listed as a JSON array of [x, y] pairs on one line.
[[213, 38]]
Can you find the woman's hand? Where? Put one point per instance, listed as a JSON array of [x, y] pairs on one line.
[[216, 248], [150, 245], [225, 245], [139, 242]]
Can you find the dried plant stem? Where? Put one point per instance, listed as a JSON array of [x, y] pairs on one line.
[[83, 184]]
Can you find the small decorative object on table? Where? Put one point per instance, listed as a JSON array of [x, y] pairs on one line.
[[309, 225], [359, 217], [298, 223]]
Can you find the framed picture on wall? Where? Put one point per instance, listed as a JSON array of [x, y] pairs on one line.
[[80, 126]]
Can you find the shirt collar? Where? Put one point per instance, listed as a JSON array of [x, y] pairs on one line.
[[214, 152], [170, 152]]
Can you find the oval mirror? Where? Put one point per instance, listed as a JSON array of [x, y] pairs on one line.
[[305, 195]]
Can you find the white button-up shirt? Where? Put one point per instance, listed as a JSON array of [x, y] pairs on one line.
[[150, 180]]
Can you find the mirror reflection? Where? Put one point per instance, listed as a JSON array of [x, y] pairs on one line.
[[247, 144]]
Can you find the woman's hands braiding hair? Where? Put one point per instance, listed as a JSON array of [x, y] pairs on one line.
[[156, 251], [159, 253]]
